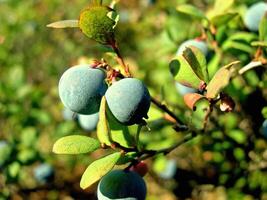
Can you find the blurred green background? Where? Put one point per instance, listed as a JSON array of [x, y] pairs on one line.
[[228, 162]]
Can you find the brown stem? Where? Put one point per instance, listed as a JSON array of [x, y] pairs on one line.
[[120, 59], [167, 110]]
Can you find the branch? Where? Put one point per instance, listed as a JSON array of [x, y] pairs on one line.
[[164, 108], [250, 66], [150, 153], [120, 59]]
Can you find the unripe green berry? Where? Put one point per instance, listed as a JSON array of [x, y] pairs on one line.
[[95, 23]]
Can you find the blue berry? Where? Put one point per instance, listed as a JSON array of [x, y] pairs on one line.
[[88, 122], [44, 173], [169, 170], [264, 128], [183, 90], [254, 14], [120, 184], [202, 46], [81, 89], [68, 114], [128, 100]]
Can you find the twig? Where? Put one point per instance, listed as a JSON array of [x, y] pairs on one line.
[[167, 110], [120, 59], [250, 66], [151, 153]]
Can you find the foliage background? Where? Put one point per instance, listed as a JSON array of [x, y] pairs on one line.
[[227, 163]]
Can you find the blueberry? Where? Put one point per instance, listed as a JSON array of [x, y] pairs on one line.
[[183, 90], [88, 122], [81, 89], [128, 100], [264, 128], [5, 151], [44, 173], [120, 184], [68, 114], [169, 170], [254, 14], [201, 45]]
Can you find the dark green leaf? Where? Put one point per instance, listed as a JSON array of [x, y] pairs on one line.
[[97, 169], [128, 157], [75, 144]]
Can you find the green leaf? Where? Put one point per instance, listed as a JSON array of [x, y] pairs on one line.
[[228, 44], [97, 169], [72, 23], [264, 112], [243, 36], [14, 169], [75, 144], [213, 64], [222, 19], [263, 28], [97, 2], [114, 16], [259, 43], [197, 61], [220, 80], [118, 132], [200, 113], [222, 5], [190, 68], [103, 133], [128, 157], [191, 10], [238, 135]]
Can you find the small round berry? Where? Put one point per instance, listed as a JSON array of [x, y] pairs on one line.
[[128, 101], [121, 184], [81, 89]]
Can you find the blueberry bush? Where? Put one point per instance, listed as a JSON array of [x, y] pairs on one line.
[[162, 99]]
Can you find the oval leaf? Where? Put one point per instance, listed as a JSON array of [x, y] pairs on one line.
[[191, 10], [118, 132], [263, 28], [259, 43], [102, 132], [97, 169], [222, 5], [190, 68], [72, 23], [191, 99], [197, 61], [222, 18], [220, 80], [75, 144]]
